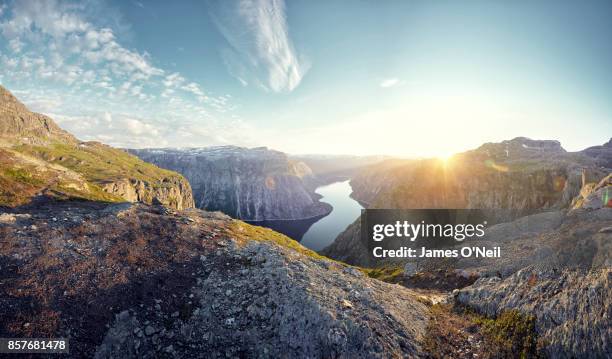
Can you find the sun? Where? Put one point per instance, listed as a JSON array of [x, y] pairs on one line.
[[445, 158]]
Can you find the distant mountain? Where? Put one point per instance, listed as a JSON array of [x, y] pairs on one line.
[[38, 158], [521, 176], [331, 168], [250, 184], [602, 154]]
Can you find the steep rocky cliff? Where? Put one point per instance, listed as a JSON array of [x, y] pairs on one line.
[[39, 158], [521, 174], [250, 184]]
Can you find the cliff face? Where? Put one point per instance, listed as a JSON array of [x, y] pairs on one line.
[[173, 192], [250, 184], [520, 174], [523, 175], [39, 158]]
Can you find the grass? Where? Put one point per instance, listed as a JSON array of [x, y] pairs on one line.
[[21, 179], [99, 163], [21, 175], [389, 274], [512, 333], [244, 231]]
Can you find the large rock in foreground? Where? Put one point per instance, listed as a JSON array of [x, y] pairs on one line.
[[131, 281]]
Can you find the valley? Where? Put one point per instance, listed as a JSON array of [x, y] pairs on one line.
[[128, 259], [317, 233]]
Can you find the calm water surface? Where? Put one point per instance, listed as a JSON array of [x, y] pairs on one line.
[[318, 233]]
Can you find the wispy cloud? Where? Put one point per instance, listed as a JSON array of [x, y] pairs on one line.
[[260, 49], [391, 82]]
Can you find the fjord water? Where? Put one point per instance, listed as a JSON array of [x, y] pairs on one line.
[[319, 232], [345, 210]]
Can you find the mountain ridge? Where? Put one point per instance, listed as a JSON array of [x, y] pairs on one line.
[[41, 159]]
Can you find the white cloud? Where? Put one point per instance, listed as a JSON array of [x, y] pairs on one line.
[[261, 49], [16, 45], [386, 83], [66, 33], [174, 80], [69, 66]]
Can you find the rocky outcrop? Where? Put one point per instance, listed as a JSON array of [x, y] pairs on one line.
[[173, 192], [572, 308], [349, 248], [127, 281], [595, 195], [40, 159], [251, 184]]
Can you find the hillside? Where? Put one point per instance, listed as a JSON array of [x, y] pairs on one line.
[[39, 158]]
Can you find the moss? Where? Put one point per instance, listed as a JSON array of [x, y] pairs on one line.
[[509, 335], [390, 274], [512, 332], [244, 231], [21, 175]]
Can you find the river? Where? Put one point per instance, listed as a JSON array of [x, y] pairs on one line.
[[318, 233]]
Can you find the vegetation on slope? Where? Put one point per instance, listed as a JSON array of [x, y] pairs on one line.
[[460, 332], [99, 163], [23, 177]]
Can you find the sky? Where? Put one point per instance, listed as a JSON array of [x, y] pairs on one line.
[[404, 78]]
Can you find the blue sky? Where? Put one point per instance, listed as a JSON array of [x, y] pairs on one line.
[[409, 78]]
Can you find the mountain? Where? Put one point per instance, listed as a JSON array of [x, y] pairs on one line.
[[520, 174], [39, 158], [250, 184], [135, 280], [332, 168], [602, 154], [19, 125]]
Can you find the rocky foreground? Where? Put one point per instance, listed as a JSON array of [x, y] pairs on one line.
[[126, 280], [572, 307]]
